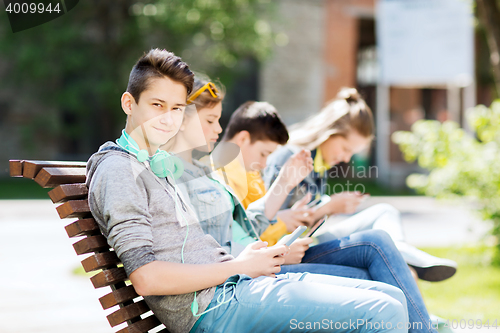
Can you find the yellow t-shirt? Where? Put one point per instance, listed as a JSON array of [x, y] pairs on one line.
[[256, 188], [249, 187]]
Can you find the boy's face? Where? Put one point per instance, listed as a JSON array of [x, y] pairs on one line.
[[158, 115], [255, 154]]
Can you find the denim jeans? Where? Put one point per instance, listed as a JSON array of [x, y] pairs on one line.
[[298, 302], [387, 218], [375, 251], [328, 269]]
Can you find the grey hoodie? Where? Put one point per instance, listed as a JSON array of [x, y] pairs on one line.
[[136, 212]]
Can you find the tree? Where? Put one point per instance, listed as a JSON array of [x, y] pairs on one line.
[[460, 165], [489, 16], [66, 76]]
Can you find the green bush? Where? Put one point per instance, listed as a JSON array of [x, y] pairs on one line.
[[460, 164]]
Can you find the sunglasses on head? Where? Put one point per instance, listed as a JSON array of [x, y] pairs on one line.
[[209, 86]]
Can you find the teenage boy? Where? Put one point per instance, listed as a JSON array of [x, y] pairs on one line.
[[257, 129], [187, 279]]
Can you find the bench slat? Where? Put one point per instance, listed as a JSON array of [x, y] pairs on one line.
[[51, 177], [142, 326], [16, 168], [31, 168], [118, 296], [109, 277], [127, 312], [67, 192], [100, 261], [74, 208], [68, 181], [82, 227], [91, 244]]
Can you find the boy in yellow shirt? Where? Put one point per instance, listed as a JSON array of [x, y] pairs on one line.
[[257, 129]]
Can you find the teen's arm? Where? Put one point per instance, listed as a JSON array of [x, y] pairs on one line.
[[167, 278], [292, 173], [274, 164]]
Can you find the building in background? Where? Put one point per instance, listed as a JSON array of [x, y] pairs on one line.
[[332, 44]]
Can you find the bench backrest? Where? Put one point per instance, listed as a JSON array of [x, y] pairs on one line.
[[68, 182]]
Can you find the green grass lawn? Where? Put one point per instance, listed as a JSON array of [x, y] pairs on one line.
[[366, 186], [472, 293]]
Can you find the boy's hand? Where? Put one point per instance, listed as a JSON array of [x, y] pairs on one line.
[[257, 259], [298, 215], [296, 169], [295, 218], [297, 250]]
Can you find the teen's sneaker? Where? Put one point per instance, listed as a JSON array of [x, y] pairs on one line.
[[440, 324], [428, 267]]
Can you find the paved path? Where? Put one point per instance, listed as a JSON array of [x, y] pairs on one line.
[[428, 222], [39, 293]]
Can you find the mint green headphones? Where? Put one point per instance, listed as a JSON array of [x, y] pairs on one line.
[[162, 163]]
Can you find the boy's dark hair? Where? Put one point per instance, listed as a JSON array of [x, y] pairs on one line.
[[260, 119], [157, 64]]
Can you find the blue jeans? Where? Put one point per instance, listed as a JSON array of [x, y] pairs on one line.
[[297, 302], [328, 269], [374, 251]]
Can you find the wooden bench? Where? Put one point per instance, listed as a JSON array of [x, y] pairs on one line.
[[69, 190]]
